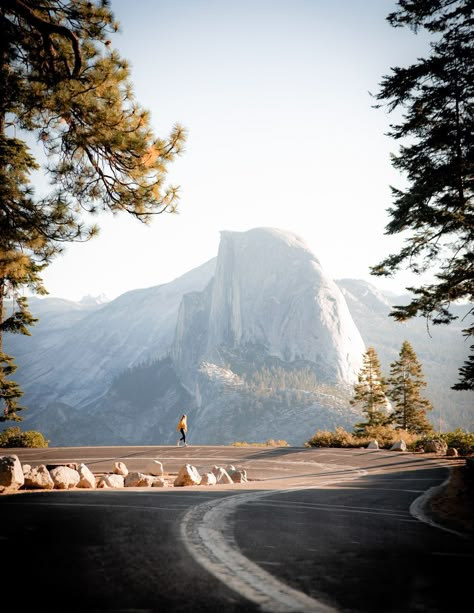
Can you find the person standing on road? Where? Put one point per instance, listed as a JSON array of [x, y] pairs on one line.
[[183, 428]]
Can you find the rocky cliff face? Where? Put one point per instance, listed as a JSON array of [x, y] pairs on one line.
[[269, 290]]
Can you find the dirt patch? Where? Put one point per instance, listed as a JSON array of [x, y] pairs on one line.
[[454, 504]]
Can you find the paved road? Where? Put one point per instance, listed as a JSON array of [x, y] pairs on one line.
[[314, 530]]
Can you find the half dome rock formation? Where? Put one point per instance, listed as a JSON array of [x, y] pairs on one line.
[[269, 291]]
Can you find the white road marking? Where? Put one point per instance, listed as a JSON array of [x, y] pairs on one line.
[[207, 535], [419, 505]]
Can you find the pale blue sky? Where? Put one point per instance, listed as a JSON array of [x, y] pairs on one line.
[[281, 133]]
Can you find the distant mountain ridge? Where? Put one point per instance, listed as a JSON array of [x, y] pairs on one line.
[[256, 343]]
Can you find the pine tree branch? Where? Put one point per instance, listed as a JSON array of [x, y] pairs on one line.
[[47, 28]]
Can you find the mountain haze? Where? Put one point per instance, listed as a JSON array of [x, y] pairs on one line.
[[441, 349], [256, 343]]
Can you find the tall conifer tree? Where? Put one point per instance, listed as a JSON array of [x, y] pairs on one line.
[[405, 383], [62, 81], [369, 392], [435, 211]]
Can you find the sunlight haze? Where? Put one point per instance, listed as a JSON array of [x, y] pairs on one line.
[[275, 97]]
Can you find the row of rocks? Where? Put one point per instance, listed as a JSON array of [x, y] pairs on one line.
[[15, 476]]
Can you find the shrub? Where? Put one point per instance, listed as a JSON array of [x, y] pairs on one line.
[[460, 439], [338, 438], [270, 443], [386, 436], [13, 437], [278, 443]]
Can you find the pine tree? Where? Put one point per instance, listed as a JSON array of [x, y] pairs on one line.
[[62, 82], [466, 381], [17, 321], [369, 392], [435, 211], [10, 391], [404, 384]]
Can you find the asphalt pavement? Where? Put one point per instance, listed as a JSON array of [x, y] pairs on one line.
[[312, 530]]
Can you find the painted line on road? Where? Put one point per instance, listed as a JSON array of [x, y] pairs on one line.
[[419, 506], [207, 534]]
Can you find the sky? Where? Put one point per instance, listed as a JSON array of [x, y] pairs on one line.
[[275, 96]]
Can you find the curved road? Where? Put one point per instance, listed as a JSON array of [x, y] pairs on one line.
[[313, 530]]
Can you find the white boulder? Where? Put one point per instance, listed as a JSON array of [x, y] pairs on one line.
[[188, 475], [208, 478], [11, 472], [120, 469], [399, 446], [154, 467], [39, 478], [111, 480], [136, 479], [86, 477]]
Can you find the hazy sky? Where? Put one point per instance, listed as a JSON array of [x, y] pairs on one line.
[[281, 133]]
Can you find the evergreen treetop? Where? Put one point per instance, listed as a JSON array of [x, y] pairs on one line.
[[405, 383], [63, 84], [369, 392], [435, 211]]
